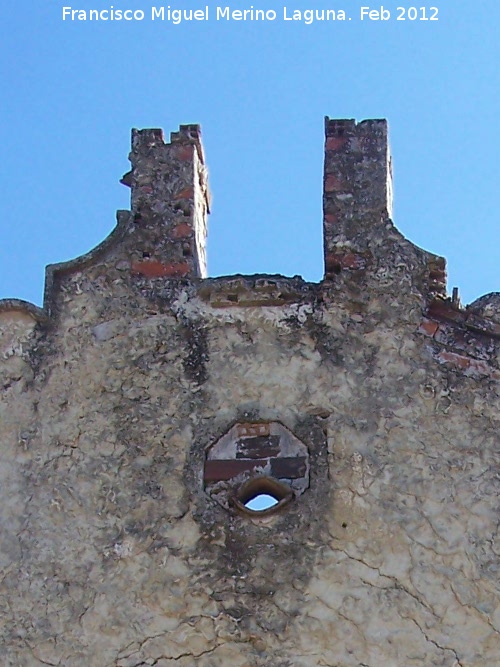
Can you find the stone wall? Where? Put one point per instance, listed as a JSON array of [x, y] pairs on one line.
[[117, 550]]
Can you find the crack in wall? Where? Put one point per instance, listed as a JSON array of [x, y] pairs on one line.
[[437, 645]]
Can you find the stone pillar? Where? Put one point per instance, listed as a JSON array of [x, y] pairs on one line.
[[169, 202], [357, 192]]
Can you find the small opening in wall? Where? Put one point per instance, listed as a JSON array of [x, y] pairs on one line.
[[262, 496], [261, 502]]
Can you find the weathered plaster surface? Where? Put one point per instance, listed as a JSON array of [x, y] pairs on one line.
[[112, 554]]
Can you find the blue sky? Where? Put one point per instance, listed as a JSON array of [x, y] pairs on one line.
[[72, 91]]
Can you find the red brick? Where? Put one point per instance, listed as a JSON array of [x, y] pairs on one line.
[[182, 231], [429, 327], [184, 152], [224, 469], [456, 359], [353, 261], [332, 264], [184, 194], [333, 184], [330, 218], [288, 467], [252, 430], [154, 269], [350, 260], [468, 364], [334, 143], [445, 310]]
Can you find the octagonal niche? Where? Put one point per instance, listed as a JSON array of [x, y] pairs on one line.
[[253, 460]]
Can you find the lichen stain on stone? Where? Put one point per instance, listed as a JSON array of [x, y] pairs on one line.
[[195, 361]]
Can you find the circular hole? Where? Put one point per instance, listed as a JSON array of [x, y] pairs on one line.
[[262, 501], [262, 496]]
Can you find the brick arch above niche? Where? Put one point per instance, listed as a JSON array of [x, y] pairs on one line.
[[255, 450]]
